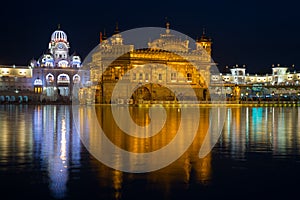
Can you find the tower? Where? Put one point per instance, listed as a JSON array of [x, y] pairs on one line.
[[117, 39], [204, 42], [59, 45]]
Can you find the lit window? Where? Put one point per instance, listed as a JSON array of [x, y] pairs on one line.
[[134, 76], [160, 77], [173, 76], [38, 82], [63, 78], [189, 77], [50, 78]]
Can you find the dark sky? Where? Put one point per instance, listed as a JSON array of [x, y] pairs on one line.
[[255, 33]]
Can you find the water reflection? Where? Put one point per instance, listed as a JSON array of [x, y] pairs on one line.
[[261, 129], [168, 178], [15, 137], [41, 141], [56, 146], [139, 154], [40, 138]]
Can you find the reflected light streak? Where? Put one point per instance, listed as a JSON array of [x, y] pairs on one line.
[[247, 125], [117, 184], [63, 141]]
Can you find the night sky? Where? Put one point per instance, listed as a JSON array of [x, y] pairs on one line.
[[255, 33]]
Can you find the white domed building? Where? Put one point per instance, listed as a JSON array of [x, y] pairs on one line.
[[55, 72]]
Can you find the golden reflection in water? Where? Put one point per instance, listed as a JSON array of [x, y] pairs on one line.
[[15, 134], [297, 126], [140, 116], [4, 137], [117, 183], [165, 178], [254, 129], [237, 135]]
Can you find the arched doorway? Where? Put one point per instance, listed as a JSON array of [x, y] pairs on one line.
[[49, 79], [142, 93], [76, 78], [63, 83], [38, 85]]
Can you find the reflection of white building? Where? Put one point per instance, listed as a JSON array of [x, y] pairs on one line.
[[56, 148]]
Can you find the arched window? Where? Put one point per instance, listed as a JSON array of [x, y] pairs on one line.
[[50, 78], [38, 82], [63, 79], [76, 78], [189, 77], [63, 63]]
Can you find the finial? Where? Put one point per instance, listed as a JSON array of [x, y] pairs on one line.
[[104, 35], [203, 31], [167, 27], [204, 37], [117, 28], [58, 26]]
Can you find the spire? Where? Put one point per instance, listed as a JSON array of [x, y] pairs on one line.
[[167, 27], [58, 26], [100, 38], [117, 28], [204, 37], [104, 35]]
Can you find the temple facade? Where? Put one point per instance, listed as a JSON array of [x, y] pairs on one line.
[[162, 70]]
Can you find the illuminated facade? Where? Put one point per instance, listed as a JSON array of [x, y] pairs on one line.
[[280, 76], [55, 72], [283, 81], [52, 76], [166, 62], [162, 63], [15, 78]]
